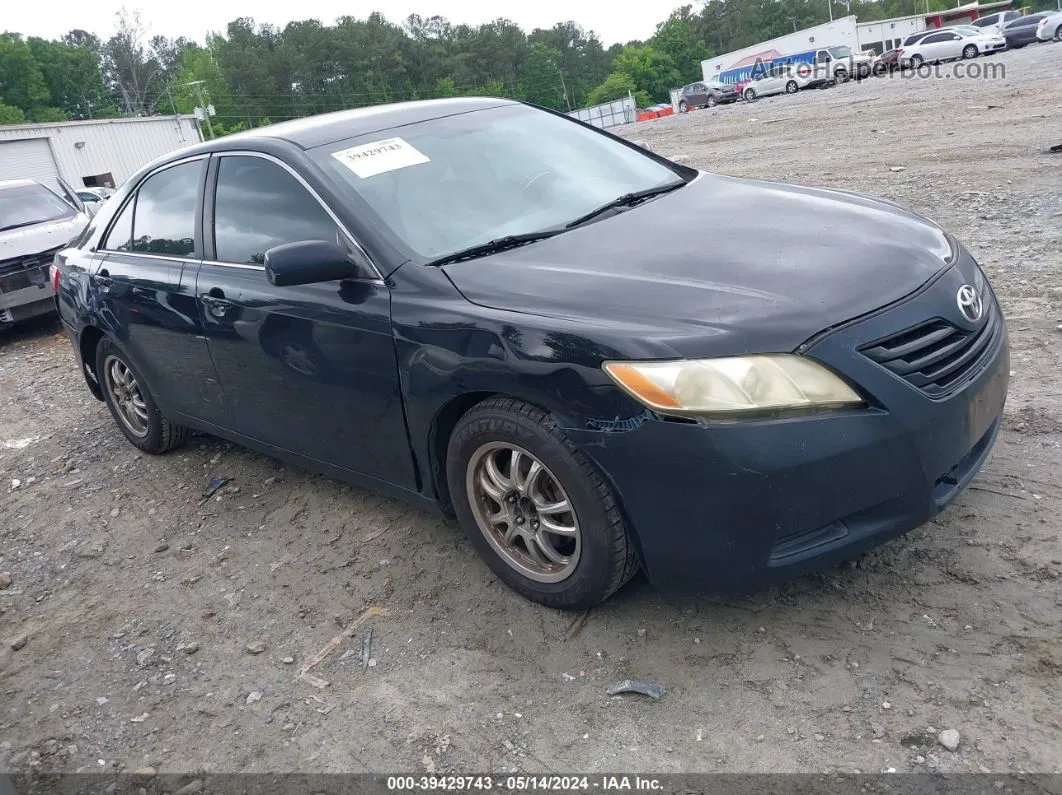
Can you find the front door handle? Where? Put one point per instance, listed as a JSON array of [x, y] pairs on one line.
[[215, 302], [103, 280]]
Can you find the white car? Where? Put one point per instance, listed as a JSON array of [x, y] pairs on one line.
[[950, 44], [1050, 27], [995, 22], [35, 223], [784, 79]]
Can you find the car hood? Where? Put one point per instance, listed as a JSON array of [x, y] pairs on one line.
[[26, 240], [721, 266]]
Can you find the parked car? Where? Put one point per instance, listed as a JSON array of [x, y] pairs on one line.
[[784, 79], [1023, 31], [996, 21], [452, 301], [1050, 27], [947, 45], [706, 94], [887, 62], [93, 198], [839, 64], [35, 223]]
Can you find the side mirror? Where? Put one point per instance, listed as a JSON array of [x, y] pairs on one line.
[[308, 262]]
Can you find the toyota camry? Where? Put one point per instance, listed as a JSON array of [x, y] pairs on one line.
[[453, 301]]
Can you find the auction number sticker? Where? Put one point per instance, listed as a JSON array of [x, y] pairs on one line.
[[379, 157]]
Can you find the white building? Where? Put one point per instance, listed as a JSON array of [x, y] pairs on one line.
[[832, 34], [100, 153]]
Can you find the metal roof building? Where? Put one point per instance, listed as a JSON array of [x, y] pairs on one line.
[[99, 153]]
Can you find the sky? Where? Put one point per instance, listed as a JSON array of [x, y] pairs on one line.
[[193, 19]]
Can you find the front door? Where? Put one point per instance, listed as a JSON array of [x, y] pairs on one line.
[[145, 281], [310, 369]]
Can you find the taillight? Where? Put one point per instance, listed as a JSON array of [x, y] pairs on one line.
[[55, 278], [899, 52]]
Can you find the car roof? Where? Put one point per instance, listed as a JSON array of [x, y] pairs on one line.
[[17, 183], [326, 128]]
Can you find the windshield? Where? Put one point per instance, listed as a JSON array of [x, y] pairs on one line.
[[447, 184], [841, 52], [24, 205]]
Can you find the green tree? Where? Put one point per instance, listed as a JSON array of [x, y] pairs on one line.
[[10, 114], [444, 87], [616, 86], [679, 38], [652, 70], [21, 81], [541, 80]]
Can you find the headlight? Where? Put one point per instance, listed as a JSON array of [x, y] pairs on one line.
[[730, 387]]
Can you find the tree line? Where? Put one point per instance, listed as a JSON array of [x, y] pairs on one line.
[[253, 74]]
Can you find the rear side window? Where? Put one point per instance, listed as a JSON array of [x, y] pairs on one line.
[[120, 237], [259, 205], [164, 221]]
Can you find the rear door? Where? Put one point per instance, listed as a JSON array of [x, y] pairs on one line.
[[310, 369], [145, 285]]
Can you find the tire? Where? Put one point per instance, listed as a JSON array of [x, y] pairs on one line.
[[841, 76], [969, 51], [683, 106], [154, 433], [711, 101], [600, 556], [1058, 33], [917, 61], [749, 95], [791, 87]]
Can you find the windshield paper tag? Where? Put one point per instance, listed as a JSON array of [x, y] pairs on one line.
[[391, 154]]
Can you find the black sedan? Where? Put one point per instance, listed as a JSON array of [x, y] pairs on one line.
[[1022, 31], [452, 301], [706, 95]]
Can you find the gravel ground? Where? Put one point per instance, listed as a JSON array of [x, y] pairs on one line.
[[164, 630]]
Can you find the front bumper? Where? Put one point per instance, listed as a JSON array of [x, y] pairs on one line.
[[739, 505], [25, 303]]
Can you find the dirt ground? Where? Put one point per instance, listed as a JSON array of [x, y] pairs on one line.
[[141, 604]]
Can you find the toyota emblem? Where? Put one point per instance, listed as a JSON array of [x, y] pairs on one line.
[[970, 304]]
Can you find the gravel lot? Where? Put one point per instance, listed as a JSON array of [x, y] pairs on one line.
[[142, 604]]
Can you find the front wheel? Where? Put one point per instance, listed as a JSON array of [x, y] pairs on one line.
[[711, 101], [917, 61], [969, 51], [1058, 33], [535, 508], [791, 87], [750, 95], [131, 403], [841, 76], [683, 106]]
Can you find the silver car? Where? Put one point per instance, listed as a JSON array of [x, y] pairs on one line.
[[785, 79], [949, 45], [1050, 27], [35, 223]]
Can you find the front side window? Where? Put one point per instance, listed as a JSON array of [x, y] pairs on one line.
[[259, 204], [120, 236], [164, 221], [841, 52], [25, 205]]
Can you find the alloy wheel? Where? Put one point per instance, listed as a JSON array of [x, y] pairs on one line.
[[523, 511], [126, 394]]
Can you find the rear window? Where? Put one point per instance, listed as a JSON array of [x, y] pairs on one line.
[[25, 205]]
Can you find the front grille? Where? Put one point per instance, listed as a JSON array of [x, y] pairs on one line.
[[18, 273], [937, 356]]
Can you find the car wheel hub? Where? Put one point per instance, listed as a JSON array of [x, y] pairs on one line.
[[523, 512], [126, 394]]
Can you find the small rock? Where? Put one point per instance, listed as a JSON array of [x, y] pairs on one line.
[[820, 737], [5, 580], [886, 705], [288, 660], [372, 662], [253, 697], [144, 771], [162, 547], [144, 656], [71, 750], [256, 647], [878, 729], [102, 700], [949, 738], [115, 512], [192, 787], [15, 483], [18, 642], [143, 716], [642, 634], [191, 648], [897, 169]]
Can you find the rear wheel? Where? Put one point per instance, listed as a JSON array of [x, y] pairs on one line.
[[133, 407], [791, 87], [535, 508], [841, 76], [750, 95], [969, 51]]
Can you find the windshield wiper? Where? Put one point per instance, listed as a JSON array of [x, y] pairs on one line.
[[626, 200], [18, 226], [494, 246]]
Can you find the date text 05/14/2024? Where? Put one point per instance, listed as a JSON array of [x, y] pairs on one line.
[[523, 783]]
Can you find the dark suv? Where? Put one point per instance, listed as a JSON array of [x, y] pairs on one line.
[[706, 95]]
